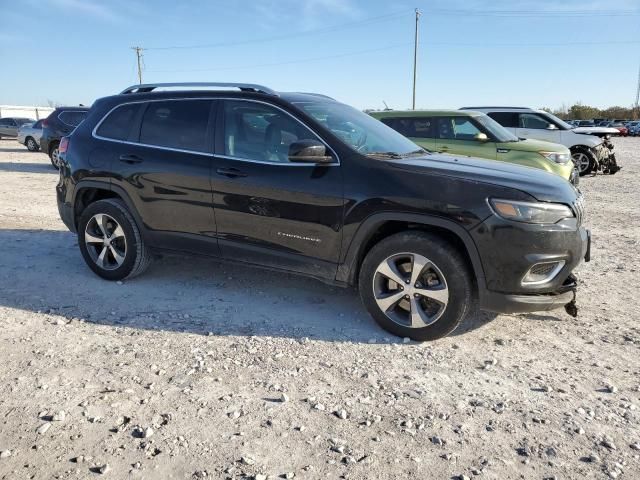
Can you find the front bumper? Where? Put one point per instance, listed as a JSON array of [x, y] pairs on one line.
[[515, 303], [521, 248]]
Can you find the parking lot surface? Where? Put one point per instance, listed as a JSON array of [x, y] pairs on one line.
[[201, 369]]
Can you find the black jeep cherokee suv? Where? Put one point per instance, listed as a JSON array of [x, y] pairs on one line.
[[301, 183], [59, 123]]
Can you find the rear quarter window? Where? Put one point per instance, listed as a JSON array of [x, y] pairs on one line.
[[72, 118], [117, 124]]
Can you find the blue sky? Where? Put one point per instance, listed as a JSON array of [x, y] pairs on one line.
[[533, 53]]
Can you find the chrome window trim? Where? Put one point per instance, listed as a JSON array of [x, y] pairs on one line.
[[68, 124], [95, 135]]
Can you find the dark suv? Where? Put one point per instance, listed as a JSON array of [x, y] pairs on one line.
[[59, 123], [301, 183]]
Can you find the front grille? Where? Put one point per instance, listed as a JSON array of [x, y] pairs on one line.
[[542, 273], [543, 269], [579, 209]]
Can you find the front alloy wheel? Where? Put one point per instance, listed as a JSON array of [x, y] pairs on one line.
[[411, 290], [32, 146], [416, 284]]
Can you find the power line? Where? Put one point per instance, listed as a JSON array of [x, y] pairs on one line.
[[535, 13], [390, 47], [275, 64], [287, 36]]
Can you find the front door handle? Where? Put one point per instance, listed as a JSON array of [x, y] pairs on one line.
[[130, 159], [230, 172]]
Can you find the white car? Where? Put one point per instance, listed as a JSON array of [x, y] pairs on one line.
[[29, 135], [588, 150]]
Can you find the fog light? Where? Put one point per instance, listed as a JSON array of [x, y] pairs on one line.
[[542, 273]]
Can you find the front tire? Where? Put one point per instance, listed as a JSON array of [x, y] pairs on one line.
[[110, 241], [416, 285], [54, 156], [584, 161]]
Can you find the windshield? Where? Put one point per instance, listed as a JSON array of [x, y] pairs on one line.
[[360, 131], [560, 123], [496, 130]]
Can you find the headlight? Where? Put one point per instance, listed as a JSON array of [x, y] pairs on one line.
[[556, 157], [530, 212]]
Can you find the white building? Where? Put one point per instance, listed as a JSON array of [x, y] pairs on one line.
[[24, 111]]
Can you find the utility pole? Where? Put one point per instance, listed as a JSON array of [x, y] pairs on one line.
[[138, 51], [638, 96], [415, 60]]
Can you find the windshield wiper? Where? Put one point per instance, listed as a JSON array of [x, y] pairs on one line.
[[384, 154], [396, 154]]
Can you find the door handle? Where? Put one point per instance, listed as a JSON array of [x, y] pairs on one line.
[[130, 159], [230, 172]]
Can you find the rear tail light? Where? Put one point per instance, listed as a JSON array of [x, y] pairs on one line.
[[64, 145], [45, 123]]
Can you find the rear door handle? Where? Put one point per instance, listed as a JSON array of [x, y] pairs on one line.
[[230, 172], [130, 159]]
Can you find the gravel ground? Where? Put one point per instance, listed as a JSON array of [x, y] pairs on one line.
[[200, 370]]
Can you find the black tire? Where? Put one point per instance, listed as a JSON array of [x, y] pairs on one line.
[[31, 144], [578, 155], [53, 155], [136, 255], [448, 261]]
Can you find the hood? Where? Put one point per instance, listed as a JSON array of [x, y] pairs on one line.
[[597, 130], [542, 185], [531, 145]]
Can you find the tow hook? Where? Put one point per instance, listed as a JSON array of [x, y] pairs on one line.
[[571, 308]]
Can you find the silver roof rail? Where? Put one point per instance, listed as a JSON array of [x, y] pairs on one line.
[[245, 87]]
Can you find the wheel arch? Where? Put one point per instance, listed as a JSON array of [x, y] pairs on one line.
[[90, 191], [380, 226]]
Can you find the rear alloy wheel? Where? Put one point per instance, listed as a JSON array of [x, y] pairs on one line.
[[584, 161], [54, 156], [416, 285], [31, 144], [110, 241]]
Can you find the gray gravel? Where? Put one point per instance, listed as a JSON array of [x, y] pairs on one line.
[[201, 370]]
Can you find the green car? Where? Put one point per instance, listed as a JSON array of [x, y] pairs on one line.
[[475, 134]]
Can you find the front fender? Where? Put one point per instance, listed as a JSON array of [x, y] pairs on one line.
[[348, 269]]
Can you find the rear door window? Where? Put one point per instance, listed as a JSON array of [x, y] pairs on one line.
[[72, 118], [117, 125], [179, 124], [420, 127]]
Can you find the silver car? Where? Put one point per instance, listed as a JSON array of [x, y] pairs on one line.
[[29, 135], [9, 125]]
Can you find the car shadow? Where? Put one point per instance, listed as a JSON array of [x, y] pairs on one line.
[[27, 167], [43, 271]]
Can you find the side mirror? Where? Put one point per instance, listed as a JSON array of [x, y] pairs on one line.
[[309, 151], [551, 126], [481, 137]]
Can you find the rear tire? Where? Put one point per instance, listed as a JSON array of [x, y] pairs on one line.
[[54, 156], [424, 305], [110, 241], [31, 144], [584, 160]]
